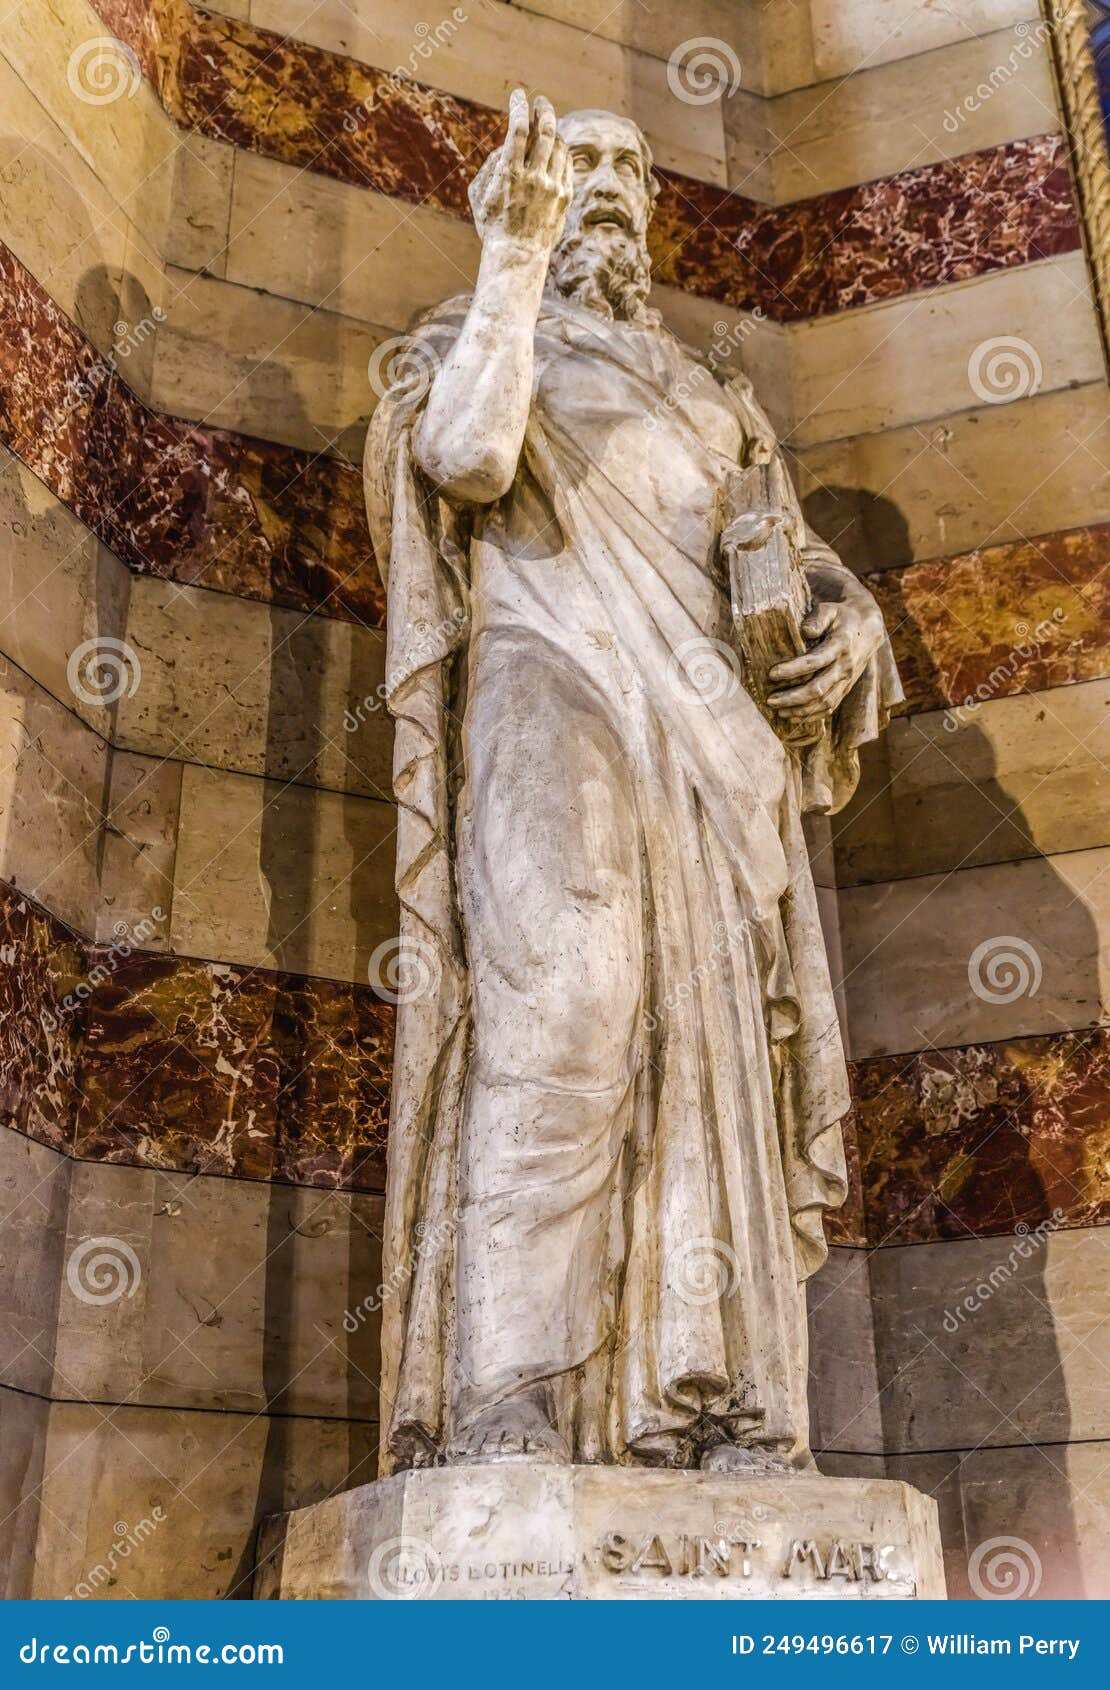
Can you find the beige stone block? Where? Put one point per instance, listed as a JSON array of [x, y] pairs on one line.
[[657, 29], [104, 1285], [282, 876], [53, 780], [926, 356], [1055, 1501], [605, 1533], [995, 473], [938, 1476], [125, 140], [499, 48], [189, 1488], [777, 43], [140, 845], [847, 39], [1016, 777], [241, 685], [991, 1341], [844, 1382], [69, 231], [379, 261], [232, 1295], [59, 588], [1027, 1522], [327, 243], [986, 953], [199, 197], [237, 358], [901, 115], [34, 1187], [242, 358], [23, 1426], [837, 1464]]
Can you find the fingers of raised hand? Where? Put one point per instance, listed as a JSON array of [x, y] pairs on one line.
[[542, 135], [561, 170], [516, 141]]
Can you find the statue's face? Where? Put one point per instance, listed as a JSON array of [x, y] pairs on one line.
[[611, 188]]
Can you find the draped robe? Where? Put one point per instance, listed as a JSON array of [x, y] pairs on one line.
[[618, 1090]]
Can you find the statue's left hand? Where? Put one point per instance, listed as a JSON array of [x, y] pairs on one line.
[[844, 636]]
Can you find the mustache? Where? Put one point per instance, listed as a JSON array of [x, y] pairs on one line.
[[601, 212]]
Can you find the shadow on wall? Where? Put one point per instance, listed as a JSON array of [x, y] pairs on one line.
[[971, 1372]]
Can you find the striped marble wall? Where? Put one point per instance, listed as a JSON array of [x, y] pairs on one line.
[[212, 228]]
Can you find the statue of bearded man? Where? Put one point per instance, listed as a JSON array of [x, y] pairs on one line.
[[619, 1078]]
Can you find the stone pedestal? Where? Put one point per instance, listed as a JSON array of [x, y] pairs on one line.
[[537, 1532]]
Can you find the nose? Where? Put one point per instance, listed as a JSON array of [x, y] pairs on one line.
[[603, 179]]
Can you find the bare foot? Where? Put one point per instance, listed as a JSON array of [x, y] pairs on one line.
[[515, 1430], [752, 1459]]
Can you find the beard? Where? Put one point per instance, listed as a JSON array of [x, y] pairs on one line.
[[606, 270]]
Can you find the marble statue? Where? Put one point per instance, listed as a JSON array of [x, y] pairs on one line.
[[619, 1079]]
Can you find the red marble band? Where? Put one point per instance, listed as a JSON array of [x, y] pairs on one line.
[[983, 1139], [159, 1061], [116, 1054], [320, 111], [1014, 617], [194, 504], [218, 509]]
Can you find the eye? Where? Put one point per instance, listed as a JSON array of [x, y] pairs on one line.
[[628, 166], [581, 161]]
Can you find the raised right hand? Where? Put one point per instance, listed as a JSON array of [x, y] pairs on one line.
[[522, 192]]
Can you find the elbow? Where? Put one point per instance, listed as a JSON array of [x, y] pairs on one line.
[[474, 475]]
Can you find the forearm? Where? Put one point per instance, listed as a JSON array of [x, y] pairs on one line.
[[470, 436]]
